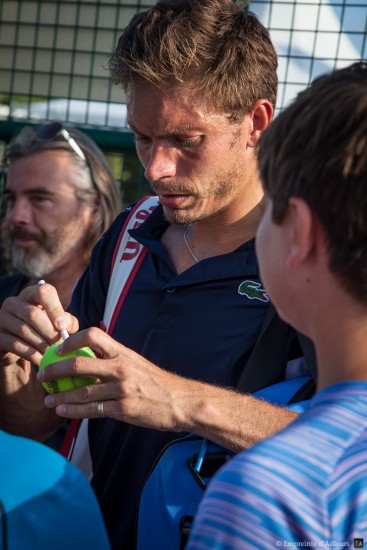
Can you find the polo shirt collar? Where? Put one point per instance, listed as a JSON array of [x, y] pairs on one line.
[[240, 261]]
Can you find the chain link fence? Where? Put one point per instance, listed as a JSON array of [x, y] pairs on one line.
[[53, 57]]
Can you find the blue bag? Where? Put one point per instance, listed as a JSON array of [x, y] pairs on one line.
[[177, 481]]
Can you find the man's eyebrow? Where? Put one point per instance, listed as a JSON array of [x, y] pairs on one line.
[[34, 191], [183, 129], [172, 132]]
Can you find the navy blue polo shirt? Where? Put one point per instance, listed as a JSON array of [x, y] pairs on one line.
[[202, 324]]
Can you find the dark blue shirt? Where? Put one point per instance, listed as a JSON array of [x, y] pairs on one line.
[[196, 323]]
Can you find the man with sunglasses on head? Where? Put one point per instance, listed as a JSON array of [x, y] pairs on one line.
[[59, 197], [200, 78]]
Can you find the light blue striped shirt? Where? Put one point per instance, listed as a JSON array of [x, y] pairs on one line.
[[304, 487]]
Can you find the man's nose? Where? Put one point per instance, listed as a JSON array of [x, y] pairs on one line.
[[18, 211], [161, 163]]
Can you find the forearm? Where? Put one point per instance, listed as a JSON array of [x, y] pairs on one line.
[[233, 420], [135, 391], [22, 410]]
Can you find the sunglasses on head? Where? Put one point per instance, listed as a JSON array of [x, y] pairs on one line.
[[51, 131]]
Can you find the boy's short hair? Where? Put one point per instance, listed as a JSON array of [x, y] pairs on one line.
[[213, 46], [317, 150]]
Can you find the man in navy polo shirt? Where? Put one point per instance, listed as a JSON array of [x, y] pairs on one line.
[[200, 78]]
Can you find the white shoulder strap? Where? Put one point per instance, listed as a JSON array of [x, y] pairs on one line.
[[126, 260]]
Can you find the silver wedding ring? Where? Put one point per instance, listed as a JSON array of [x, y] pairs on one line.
[[100, 410]]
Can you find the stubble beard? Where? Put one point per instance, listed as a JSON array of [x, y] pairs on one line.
[[220, 190]]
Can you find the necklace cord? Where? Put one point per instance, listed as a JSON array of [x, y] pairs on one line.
[[187, 244]]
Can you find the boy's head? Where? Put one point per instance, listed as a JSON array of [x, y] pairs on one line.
[[316, 150]]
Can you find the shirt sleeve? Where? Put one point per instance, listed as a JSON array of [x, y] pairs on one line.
[[90, 292]]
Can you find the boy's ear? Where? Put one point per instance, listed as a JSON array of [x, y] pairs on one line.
[[302, 232], [261, 117]]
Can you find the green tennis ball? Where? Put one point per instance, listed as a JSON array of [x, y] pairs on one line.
[[70, 382]]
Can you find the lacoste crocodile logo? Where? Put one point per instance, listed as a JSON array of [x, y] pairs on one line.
[[253, 291]]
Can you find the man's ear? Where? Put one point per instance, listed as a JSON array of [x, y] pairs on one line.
[[302, 232], [261, 117]]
